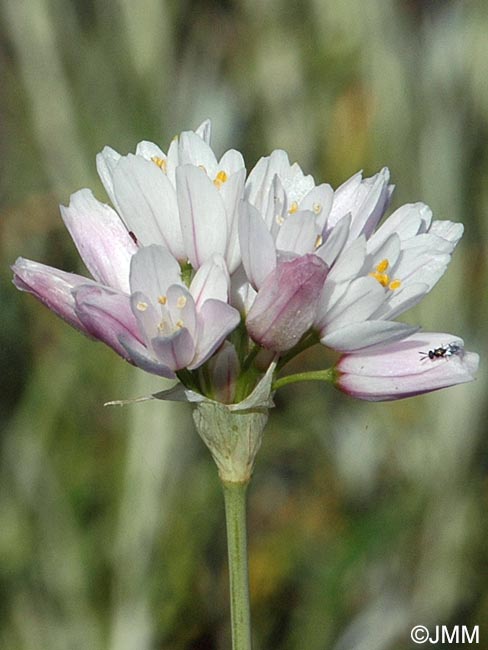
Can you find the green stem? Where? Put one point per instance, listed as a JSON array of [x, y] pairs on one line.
[[235, 515], [314, 375]]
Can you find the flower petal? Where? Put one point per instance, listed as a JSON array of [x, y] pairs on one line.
[[357, 303], [101, 239], [350, 263], [153, 269], [107, 161], [319, 201], [298, 233], [193, 150], [231, 193], [335, 242], [361, 335], [406, 222], [202, 215], [210, 281], [232, 162], [148, 317], [204, 130], [149, 150], [216, 319], [257, 245], [106, 315], [52, 287], [181, 308], [223, 369], [147, 203], [448, 230], [401, 369], [175, 351], [141, 358], [261, 177], [366, 199], [401, 300], [285, 306]]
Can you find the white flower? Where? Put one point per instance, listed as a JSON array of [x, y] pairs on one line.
[[186, 200], [373, 275], [372, 281]]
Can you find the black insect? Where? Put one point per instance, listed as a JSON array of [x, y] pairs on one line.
[[442, 352]]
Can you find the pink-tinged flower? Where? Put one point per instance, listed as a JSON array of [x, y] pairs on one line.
[[137, 302], [223, 372], [418, 364], [374, 274], [185, 200], [285, 216], [284, 307]]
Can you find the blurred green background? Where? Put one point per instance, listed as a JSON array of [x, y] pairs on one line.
[[365, 519]]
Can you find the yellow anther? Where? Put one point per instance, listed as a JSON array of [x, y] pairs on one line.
[[141, 306], [162, 300], [382, 278], [220, 178], [160, 162], [317, 208], [382, 266], [318, 241], [163, 326], [179, 324], [279, 220], [293, 208], [181, 302]]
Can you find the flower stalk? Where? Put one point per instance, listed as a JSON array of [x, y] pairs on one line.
[[235, 515], [327, 375]]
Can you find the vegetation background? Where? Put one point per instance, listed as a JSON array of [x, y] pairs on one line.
[[365, 519]]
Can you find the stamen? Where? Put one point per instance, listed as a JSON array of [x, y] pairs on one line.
[[220, 179], [203, 168], [317, 208], [160, 162], [293, 208], [382, 266], [382, 278], [318, 242], [181, 302], [279, 220], [163, 327], [179, 324], [141, 306], [162, 300]]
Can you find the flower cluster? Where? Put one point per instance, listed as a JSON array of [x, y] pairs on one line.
[[201, 274]]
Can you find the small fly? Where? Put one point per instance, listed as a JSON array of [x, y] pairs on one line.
[[443, 352]]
